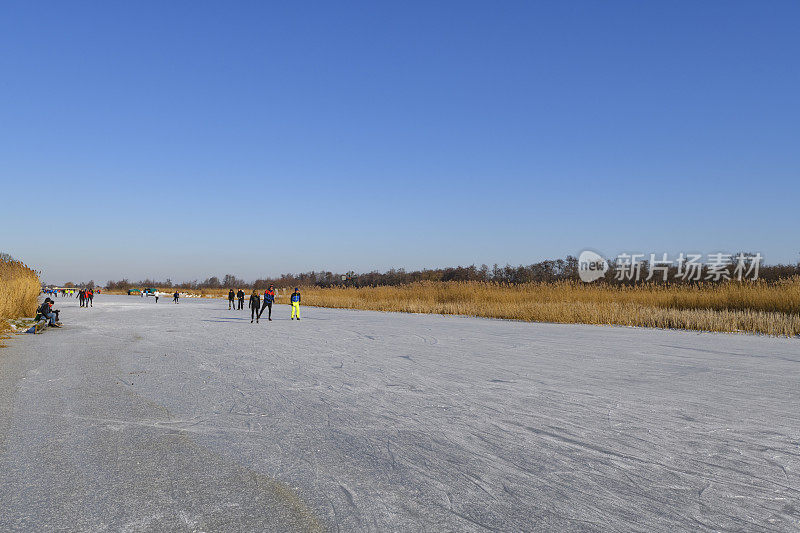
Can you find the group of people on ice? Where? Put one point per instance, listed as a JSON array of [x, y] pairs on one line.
[[86, 297], [258, 305], [175, 296], [63, 292], [234, 297]]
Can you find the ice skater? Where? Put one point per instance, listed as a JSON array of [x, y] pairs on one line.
[[231, 298], [240, 295], [175, 297], [295, 298], [90, 298], [255, 304], [82, 296], [269, 298]]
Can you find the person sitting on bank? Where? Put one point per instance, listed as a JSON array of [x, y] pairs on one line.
[[47, 311]]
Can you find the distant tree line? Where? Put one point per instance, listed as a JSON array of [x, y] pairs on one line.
[[81, 285], [547, 271]]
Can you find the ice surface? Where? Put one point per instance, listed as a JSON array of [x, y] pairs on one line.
[[145, 416]]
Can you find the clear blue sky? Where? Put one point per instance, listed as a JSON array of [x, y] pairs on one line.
[[189, 139]]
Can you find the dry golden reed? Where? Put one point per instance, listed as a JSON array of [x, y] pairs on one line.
[[19, 291], [752, 307]]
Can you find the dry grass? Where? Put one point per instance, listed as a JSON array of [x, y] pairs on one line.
[[758, 307], [19, 292]]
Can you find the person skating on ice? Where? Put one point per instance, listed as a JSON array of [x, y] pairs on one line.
[[255, 305], [295, 299], [269, 298], [231, 298], [240, 295], [175, 297]]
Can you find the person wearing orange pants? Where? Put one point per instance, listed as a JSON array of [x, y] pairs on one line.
[[295, 299]]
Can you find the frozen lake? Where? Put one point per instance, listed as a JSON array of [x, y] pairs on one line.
[[143, 416]]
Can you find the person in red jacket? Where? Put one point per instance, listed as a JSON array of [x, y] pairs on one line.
[[90, 298], [269, 298]]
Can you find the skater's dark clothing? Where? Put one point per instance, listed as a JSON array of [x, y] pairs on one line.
[[47, 311], [175, 297], [240, 295], [231, 298], [255, 304]]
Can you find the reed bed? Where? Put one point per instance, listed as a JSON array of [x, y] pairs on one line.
[[752, 307], [19, 292]]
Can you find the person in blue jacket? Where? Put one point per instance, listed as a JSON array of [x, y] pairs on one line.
[[269, 299], [295, 299]]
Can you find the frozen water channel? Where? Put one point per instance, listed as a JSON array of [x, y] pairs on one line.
[[143, 416]]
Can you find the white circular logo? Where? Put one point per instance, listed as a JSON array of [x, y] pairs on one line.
[[591, 266]]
